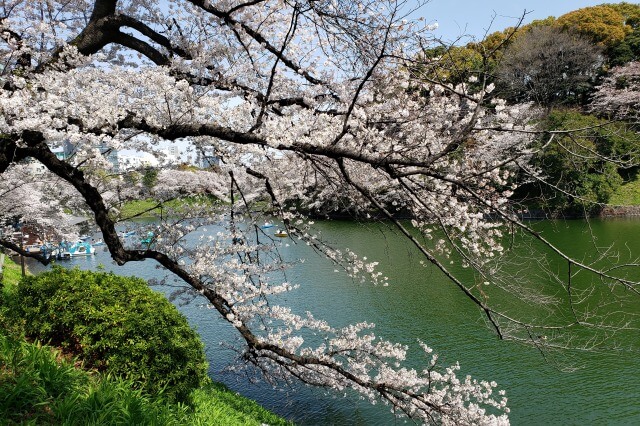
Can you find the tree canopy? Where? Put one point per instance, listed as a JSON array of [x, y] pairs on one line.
[[548, 66], [603, 24]]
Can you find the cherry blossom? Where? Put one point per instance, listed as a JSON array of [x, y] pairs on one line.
[[312, 107]]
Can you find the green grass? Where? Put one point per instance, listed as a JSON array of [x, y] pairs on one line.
[[147, 208], [627, 195], [39, 386], [12, 273], [216, 405], [139, 207]]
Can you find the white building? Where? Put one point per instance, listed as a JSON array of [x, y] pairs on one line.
[[139, 160]]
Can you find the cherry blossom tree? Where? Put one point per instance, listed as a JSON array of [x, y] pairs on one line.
[[28, 194], [619, 94], [307, 104]]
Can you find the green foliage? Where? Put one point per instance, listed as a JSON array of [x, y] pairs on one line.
[[29, 378], [626, 51], [578, 163], [150, 177], [38, 386], [117, 325], [602, 24]]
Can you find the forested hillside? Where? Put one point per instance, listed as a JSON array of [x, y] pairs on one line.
[[582, 70]]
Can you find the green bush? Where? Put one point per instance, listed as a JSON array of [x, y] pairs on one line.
[[116, 325]]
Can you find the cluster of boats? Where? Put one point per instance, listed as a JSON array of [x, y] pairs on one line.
[[63, 250], [84, 246]]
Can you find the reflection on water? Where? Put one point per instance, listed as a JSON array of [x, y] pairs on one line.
[[420, 304]]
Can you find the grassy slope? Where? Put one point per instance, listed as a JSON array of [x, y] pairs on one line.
[[627, 195], [11, 270], [39, 386]]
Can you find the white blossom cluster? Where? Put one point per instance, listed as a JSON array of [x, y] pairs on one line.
[[618, 95], [42, 198]]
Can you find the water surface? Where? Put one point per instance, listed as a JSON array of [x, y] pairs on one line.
[[421, 304]]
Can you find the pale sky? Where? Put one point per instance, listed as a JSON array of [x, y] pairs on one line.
[[473, 17]]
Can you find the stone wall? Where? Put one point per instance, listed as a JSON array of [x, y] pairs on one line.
[[620, 211]]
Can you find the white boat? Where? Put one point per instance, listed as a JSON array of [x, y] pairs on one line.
[[267, 225], [281, 234], [33, 248]]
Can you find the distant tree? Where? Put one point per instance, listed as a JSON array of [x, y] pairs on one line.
[[499, 40], [548, 66], [626, 51], [629, 11], [150, 177], [602, 24], [476, 60], [613, 26], [619, 94], [582, 169], [453, 65]]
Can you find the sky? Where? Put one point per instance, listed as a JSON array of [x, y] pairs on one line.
[[473, 17]]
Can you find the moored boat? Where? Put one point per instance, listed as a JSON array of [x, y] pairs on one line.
[[281, 234], [81, 248], [33, 248]]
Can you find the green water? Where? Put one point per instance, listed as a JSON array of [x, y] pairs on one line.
[[421, 304]]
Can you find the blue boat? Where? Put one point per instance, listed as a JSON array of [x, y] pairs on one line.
[[79, 248], [149, 239]]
